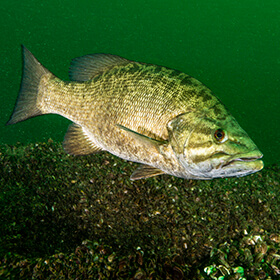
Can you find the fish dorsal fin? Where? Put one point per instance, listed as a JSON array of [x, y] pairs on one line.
[[145, 171], [84, 68], [143, 138], [76, 142]]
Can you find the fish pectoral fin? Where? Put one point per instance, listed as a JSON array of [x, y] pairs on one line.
[[143, 138], [76, 142], [145, 171]]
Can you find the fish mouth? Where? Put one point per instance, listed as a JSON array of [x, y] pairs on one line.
[[247, 161]]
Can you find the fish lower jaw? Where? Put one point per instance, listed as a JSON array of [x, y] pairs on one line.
[[252, 164], [240, 168], [241, 160], [235, 166], [248, 159]]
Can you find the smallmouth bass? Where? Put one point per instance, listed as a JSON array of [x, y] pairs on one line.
[[166, 120]]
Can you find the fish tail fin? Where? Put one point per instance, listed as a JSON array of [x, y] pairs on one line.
[[27, 105]]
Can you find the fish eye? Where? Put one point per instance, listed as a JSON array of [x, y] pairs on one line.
[[220, 135]]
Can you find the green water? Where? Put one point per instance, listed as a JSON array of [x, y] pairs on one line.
[[231, 46]]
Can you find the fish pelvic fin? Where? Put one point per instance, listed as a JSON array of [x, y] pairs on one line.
[[27, 102], [77, 142], [145, 171]]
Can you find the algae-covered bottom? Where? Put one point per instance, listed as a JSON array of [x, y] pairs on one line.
[[66, 217]]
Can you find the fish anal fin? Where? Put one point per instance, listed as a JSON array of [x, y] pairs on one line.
[[84, 68], [76, 142], [145, 171]]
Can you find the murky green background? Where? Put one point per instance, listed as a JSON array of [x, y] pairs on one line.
[[231, 46]]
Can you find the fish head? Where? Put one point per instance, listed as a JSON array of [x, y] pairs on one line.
[[209, 147]]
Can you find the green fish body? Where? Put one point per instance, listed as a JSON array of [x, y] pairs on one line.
[[162, 118]]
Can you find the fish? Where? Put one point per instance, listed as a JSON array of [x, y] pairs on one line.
[[163, 119]]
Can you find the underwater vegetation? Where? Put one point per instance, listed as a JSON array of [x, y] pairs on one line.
[[67, 217]]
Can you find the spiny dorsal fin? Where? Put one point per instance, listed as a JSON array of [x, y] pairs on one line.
[[84, 68], [145, 171], [76, 142]]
